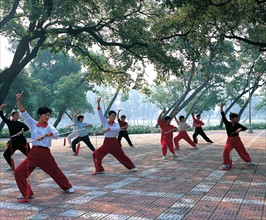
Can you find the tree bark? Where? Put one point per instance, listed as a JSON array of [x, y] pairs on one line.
[[60, 115], [111, 103]]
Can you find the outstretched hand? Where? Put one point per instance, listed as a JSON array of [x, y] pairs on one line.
[[18, 96], [99, 99], [2, 107]]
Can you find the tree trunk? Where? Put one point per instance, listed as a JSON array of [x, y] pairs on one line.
[[111, 103], [60, 115], [21, 58]]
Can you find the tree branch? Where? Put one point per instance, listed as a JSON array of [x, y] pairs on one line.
[[10, 15]]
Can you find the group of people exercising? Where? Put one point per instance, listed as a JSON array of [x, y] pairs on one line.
[[39, 154]]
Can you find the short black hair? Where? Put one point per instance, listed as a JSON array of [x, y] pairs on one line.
[[181, 117], [79, 117], [111, 112], [233, 115], [198, 115], [14, 112], [123, 116], [44, 110], [166, 118]]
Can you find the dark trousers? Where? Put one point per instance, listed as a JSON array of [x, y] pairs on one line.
[[19, 143], [125, 135], [199, 131], [85, 139]]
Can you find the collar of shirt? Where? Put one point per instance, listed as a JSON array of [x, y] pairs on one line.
[[44, 125], [111, 123]]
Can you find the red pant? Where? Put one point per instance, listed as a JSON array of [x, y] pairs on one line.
[[183, 135], [235, 142], [39, 157], [111, 146], [169, 144]]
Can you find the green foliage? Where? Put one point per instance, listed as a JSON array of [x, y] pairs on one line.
[[141, 129]]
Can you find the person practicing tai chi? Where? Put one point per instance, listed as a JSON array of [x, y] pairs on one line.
[[39, 155], [110, 143], [166, 134], [82, 133], [233, 140], [123, 129], [198, 129], [182, 134], [17, 139]]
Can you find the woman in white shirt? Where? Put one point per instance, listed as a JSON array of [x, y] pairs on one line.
[[40, 155]]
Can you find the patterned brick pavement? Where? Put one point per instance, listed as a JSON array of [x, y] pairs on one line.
[[191, 187]]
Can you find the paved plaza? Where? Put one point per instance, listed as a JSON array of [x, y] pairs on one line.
[[191, 187]]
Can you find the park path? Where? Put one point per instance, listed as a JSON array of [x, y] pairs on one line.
[[192, 187]]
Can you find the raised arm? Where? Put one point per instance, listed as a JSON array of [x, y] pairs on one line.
[[20, 106], [174, 115], [118, 114], [160, 115], [6, 120], [102, 118], [221, 107], [222, 113]]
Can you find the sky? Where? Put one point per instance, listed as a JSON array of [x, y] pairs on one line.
[[5, 56]]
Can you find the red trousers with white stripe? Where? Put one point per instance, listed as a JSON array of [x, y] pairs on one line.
[[235, 143], [111, 146], [183, 135], [167, 144], [39, 157]]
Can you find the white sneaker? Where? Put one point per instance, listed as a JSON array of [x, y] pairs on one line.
[[9, 168], [164, 158], [250, 163], [70, 190], [135, 169]]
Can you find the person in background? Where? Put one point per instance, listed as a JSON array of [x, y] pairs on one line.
[[233, 140], [110, 143], [166, 134], [198, 129], [17, 140], [123, 129], [182, 134], [82, 133], [40, 154]]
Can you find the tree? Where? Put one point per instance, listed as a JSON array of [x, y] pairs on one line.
[[121, 30], [70, 95], [239, 20]]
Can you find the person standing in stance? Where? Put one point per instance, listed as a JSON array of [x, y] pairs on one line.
[[166, 134], [17, 140], [110, 143], [40, 155], [198, 129], [123, 129], [182, 134], [233, 140]]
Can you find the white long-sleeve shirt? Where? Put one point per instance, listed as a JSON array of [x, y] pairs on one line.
[[182, 126], [112, 129], [38, 130]]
